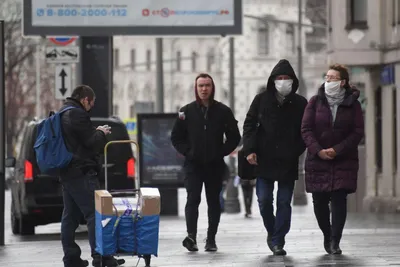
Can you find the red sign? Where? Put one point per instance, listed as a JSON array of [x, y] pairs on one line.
[[62, 40]]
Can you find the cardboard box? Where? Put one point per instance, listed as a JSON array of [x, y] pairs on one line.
[[103, 202], [149, 201]]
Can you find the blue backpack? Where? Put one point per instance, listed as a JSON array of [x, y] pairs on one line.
[[51, 151]]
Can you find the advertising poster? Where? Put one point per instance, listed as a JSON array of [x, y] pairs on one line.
[[160, 164]]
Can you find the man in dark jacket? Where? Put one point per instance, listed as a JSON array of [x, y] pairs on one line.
[[80, 179], [198, 134], [272, 141]]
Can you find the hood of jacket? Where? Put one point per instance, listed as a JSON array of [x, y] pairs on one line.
[[211, 99], [283, 67]]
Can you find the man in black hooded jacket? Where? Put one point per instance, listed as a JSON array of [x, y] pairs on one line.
[[272, 142], [198, 134]]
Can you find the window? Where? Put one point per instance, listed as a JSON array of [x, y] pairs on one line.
[[194, 61], [131, 90], [357, 14], [144, 107], [133, 59], [210, 59], [396, 12], [132, 111], [115, 110], [148, 59], [116, 58], [178, 61], [31, 59], [263, 38], [290, 41]]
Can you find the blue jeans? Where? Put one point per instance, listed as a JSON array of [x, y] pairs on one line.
[[78, 195], [277, 226]]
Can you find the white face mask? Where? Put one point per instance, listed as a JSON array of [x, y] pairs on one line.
[[332, 88], [284, 87]]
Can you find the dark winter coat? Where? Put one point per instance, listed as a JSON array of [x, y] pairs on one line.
[[82, 139], [343, 136], [272, 130], [199, 135]]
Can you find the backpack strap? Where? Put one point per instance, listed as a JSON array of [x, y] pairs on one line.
[[66, 109]]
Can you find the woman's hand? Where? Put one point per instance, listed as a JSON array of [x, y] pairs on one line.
[[325, 154], [331, 152]]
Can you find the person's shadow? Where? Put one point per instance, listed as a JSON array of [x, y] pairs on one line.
[[337, 260], [321, 261]]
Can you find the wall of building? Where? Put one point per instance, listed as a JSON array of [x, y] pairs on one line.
[[371, 55]]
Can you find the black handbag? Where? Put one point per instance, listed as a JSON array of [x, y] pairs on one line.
[[246, 171]]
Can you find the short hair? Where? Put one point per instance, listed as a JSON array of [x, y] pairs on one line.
[[204, 75], [82, 91], [344, 72]]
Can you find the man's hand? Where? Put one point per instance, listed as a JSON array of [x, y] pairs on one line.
[[331, 152], [252, 159], [105, 129], [324, 154]]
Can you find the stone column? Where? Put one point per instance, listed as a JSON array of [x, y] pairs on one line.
[[371, 83]]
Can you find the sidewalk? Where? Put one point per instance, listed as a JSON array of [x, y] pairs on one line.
[[368, 240]]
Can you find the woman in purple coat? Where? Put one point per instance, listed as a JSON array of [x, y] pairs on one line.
[[332, 128]]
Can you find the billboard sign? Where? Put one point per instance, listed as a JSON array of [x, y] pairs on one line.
[[127, 17], [160, 164]]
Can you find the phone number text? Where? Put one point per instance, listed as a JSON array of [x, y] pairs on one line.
[[65, 12]]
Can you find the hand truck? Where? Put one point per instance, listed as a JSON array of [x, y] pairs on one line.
[[127, 192]]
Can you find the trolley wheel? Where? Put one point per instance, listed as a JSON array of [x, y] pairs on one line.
[[147, 259]]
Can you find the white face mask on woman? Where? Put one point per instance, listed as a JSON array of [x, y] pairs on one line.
[[332, 88], [284, 87]]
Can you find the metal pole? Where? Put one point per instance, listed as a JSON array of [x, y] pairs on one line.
[[160, 76], [232, 204], [2, 132], [38, 91], [299, 194]]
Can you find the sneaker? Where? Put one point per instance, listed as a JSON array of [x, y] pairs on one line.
[[211, 246], [190, 244], [107, 261]]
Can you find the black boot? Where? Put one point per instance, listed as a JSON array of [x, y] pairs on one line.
[[327, 244], [190, 243], [79, 263], [211, 246], [107, 261], [335, 248], [278, 250]]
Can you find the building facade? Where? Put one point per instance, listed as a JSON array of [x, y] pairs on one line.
[[364, 35], [256, 53]]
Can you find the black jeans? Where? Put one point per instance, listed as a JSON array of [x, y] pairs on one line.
[[248, 191], [338, 201], [211, 177], [78, 195]]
